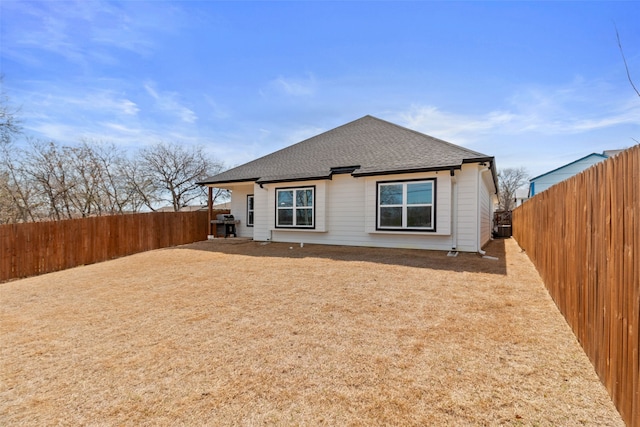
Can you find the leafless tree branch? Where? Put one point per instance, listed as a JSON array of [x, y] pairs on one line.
[[624, 59]]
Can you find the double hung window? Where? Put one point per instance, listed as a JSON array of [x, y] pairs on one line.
[[406, 205], [295, 207]]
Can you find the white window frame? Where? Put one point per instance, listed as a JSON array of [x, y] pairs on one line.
[[404, 205], [250, 210], [296, 208]]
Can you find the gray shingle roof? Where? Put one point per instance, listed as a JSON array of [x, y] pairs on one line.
[[369, 146]]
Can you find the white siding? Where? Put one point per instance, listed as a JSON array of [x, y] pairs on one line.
[[238, 208], [345, 212], [467, 208], [486, 210], [262, 214], [350, 206]]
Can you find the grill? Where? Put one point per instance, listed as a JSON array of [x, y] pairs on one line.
[[228, 225]]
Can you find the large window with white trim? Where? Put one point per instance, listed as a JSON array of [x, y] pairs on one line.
[[406, 205], [295, 207]]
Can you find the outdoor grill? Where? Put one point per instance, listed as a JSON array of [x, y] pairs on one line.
[[227, 223]]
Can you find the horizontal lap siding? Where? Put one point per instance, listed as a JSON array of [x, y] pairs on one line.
[[583, 235], [42, 247], [263, 215], [345, 213], [486, 211], [239, 209], [350, 208], [467, 179]]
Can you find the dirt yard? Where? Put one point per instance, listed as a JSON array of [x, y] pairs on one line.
[[240, 333]]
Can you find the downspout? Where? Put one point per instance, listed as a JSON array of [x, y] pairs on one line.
[[270, 238], [479, 227], [210, 228], [454, 211]]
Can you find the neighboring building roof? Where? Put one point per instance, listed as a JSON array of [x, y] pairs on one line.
[[522, 193], [367, 146], [541, 182], [599, 156], [611, 153]]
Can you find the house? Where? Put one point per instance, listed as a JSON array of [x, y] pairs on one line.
[[366, 183], [546, 180], [522, 195]]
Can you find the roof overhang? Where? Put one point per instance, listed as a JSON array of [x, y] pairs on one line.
[[401, 171], [294, 178], [221, 184], [492, 167], [355, 172]]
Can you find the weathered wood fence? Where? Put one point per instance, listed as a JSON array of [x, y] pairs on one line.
[[583, 235], [42, 247]]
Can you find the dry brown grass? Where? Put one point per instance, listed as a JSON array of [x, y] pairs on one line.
[[240, 333]]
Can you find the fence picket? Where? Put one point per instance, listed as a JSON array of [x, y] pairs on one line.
[[583, 235], [43, 247]]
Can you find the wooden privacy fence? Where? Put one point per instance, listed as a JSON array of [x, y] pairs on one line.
[[35, 248], [583, 235]]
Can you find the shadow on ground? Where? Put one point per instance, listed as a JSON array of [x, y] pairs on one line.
[[439, 260]]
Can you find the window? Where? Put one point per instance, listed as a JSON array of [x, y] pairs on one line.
[[295, 207], [250, 210], [406, 205]]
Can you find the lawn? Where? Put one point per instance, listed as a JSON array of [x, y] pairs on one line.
[[241, 333]]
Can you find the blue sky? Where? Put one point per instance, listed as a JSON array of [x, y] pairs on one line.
[[535, 84]]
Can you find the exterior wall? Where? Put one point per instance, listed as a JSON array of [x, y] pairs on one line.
[[345, 212], [262, 215], [542, 182], [486, 208], [238, 207], [467, 231]]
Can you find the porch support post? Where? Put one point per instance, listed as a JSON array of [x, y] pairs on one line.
[[210, 210]]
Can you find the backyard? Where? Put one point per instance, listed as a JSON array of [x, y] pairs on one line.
[[241, 333]]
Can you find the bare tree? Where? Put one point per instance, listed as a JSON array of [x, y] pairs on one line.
[[18, 195], [114, 191], [46, 167], [510, 180], [171, 171], [139, 187], [98, 188], [9, 121]]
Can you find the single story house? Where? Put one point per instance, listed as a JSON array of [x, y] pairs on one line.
[[551, 178], [366, 183]]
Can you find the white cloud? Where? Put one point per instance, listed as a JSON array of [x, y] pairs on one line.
[[84, 32], [294, 86], [129, 107], [451, 126], [121, 128], [543, 115], [217, 111], [167, 102]]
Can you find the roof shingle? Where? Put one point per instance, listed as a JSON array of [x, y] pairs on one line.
[[375, 146]]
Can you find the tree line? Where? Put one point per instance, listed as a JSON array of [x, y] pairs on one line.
[[47, 180]]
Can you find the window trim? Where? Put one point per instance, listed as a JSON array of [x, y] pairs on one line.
[[313, 208], [250, 224], [404, 183]]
